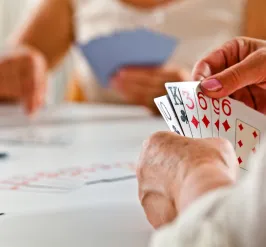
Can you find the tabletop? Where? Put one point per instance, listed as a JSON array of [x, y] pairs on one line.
[[68, 137]]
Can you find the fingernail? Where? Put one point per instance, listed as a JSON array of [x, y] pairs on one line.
[[211, 85]]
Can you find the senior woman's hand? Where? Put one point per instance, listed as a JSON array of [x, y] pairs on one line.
[[173, 171], [237, 69]]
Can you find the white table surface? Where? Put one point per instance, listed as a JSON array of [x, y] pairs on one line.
[[91, 216]]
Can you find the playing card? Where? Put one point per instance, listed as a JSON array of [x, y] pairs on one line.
[[175, 97], [205, 112], [248, 139], [188, 95], [215, 114], [141, 47], [166, 109], [242, 126]]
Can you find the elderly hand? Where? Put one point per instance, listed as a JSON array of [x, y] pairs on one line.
[[238, 69], [140, 85], [23, 77], [173, 171]]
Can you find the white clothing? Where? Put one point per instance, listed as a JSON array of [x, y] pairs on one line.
[[200, 25], [231, 217]]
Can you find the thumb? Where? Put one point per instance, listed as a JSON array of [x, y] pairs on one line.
[[247, 72], [158, 209]]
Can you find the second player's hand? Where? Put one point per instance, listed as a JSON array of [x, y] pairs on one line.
[[236, 69], [23, 77], [140, 85]]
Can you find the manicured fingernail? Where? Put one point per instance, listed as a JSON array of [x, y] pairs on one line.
[[211, 85]]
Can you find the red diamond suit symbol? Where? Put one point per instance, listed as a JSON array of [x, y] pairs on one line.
[[195, 122], [226, 125]]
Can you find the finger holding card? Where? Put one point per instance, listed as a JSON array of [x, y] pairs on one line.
[[166, 109], [175, 97]]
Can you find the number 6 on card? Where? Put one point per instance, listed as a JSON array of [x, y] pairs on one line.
[[198, 109], [242, 126]]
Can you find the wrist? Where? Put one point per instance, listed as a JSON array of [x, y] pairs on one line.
[[205, 178]]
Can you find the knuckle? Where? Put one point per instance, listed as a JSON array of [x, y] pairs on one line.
[[261, 55], [240, 41], [226, 148], [27, 60], [151, 148], [224, 143], [156, 138], [235, 77]]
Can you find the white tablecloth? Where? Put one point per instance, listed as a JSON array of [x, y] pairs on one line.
[[102, 215]]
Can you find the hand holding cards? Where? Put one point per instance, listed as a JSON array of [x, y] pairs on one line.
[[140, 47], [190, 113]]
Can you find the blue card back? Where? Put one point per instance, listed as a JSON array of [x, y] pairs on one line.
[[141, 47]]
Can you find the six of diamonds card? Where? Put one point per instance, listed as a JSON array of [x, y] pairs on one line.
[[189, 112]]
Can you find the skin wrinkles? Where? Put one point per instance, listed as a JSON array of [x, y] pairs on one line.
[[172, 171]]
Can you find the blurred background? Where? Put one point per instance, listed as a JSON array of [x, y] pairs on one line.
[[186, 29], [12, 13]]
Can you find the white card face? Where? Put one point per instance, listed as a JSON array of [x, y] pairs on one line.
[[248, 139], [175, 97], [215, 114], [167, 111], [187, 92], [205, 114], [242, 126]]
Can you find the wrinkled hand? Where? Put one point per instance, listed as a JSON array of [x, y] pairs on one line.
[[173, 171], [140, 85], [23, 77], [237, 69]]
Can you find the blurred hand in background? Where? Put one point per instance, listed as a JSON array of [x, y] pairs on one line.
[[23, 77], [140, 85]]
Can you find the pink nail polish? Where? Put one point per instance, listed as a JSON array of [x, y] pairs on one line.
[[211, 85]]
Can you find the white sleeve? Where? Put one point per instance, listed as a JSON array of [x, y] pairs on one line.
[[226, 217]]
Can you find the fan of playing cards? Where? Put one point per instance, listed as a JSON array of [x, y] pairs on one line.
[[188, 112]]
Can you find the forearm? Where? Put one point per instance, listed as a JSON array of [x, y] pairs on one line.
[[49, 30], [204, 179]]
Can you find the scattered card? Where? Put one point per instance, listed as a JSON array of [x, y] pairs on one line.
[[70, 179]]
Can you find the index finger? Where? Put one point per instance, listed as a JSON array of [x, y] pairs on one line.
[[231, 53]]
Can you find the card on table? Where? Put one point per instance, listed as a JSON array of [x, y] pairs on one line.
[[165, 107], [242, 126], [69, 179], [140, 47]]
